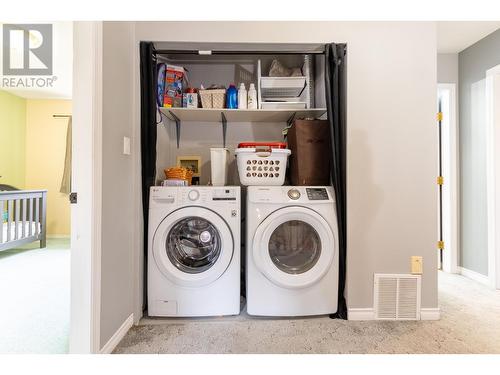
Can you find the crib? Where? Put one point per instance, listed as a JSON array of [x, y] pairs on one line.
[[23, 218]]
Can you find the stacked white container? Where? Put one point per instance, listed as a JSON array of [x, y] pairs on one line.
[[218, 165], [286, 92]]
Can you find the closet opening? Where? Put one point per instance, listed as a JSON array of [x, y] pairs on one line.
[[187, 114]]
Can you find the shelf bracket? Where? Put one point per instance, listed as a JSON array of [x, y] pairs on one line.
[[224, 129], [177, 127]]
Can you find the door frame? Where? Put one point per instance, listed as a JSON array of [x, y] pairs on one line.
[[493, 176], [87, 182], [451, 258]]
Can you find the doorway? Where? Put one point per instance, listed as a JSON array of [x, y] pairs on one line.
[[35, 175], [35, 165], [479, 198]]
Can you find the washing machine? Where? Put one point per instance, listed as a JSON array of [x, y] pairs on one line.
[[292, 251], [194, 251]]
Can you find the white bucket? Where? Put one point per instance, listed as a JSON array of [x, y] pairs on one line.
[[218, 164]]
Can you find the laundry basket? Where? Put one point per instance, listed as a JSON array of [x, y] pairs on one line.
[[262, 163]]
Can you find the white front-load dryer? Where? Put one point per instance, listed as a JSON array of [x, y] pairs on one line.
[[194, 251], [292, 251]]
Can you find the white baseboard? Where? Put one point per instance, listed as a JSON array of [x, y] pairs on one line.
[[118, 335], [430, 313], [368, 313], [473, 275], [361, 314]]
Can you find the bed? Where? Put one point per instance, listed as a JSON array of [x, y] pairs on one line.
[[23, 218]]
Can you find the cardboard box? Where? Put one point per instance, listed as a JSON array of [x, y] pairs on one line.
[[173, 86]]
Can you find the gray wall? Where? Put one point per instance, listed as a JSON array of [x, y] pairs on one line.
[[392, 143], [117, 281], [473, 63]]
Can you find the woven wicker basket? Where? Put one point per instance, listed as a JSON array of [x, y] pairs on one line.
[[179, 173], [213, 98]]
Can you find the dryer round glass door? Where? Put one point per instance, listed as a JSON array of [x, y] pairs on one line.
[[193, 246], [294, 247]]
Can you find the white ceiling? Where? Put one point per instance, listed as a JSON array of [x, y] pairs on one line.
[[455, 36]]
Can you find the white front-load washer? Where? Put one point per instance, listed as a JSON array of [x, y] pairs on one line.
[[194, 251], [292, 251]]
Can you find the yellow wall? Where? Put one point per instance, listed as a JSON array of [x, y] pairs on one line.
[[12, 139], [45, 151]]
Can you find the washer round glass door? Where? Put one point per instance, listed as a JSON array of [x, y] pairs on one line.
[[193, 246], [294, 247]]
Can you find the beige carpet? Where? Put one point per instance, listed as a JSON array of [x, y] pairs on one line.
[[470, 323], [35, 298]]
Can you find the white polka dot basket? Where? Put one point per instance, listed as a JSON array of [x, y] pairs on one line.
[[262, 163]]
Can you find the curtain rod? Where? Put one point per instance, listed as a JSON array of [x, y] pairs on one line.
[[61, 116], [196, 52]]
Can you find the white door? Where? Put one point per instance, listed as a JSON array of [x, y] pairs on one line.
[[193, 246], [294, 247]]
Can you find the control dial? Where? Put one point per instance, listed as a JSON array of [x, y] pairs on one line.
[[294, 194], [193, 195]]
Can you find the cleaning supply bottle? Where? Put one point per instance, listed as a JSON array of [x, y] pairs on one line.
[[242, 97], [232, 97], [252, 97]]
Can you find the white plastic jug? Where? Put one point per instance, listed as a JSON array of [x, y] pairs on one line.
[[242, 97], [219, 157]]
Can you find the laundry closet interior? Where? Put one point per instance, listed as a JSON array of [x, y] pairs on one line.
[[173, 137]]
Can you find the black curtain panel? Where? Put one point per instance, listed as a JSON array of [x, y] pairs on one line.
[[335, 83], [148, 133]]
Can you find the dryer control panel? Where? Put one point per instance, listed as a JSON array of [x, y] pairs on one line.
[[317, 194], [291, 194]]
